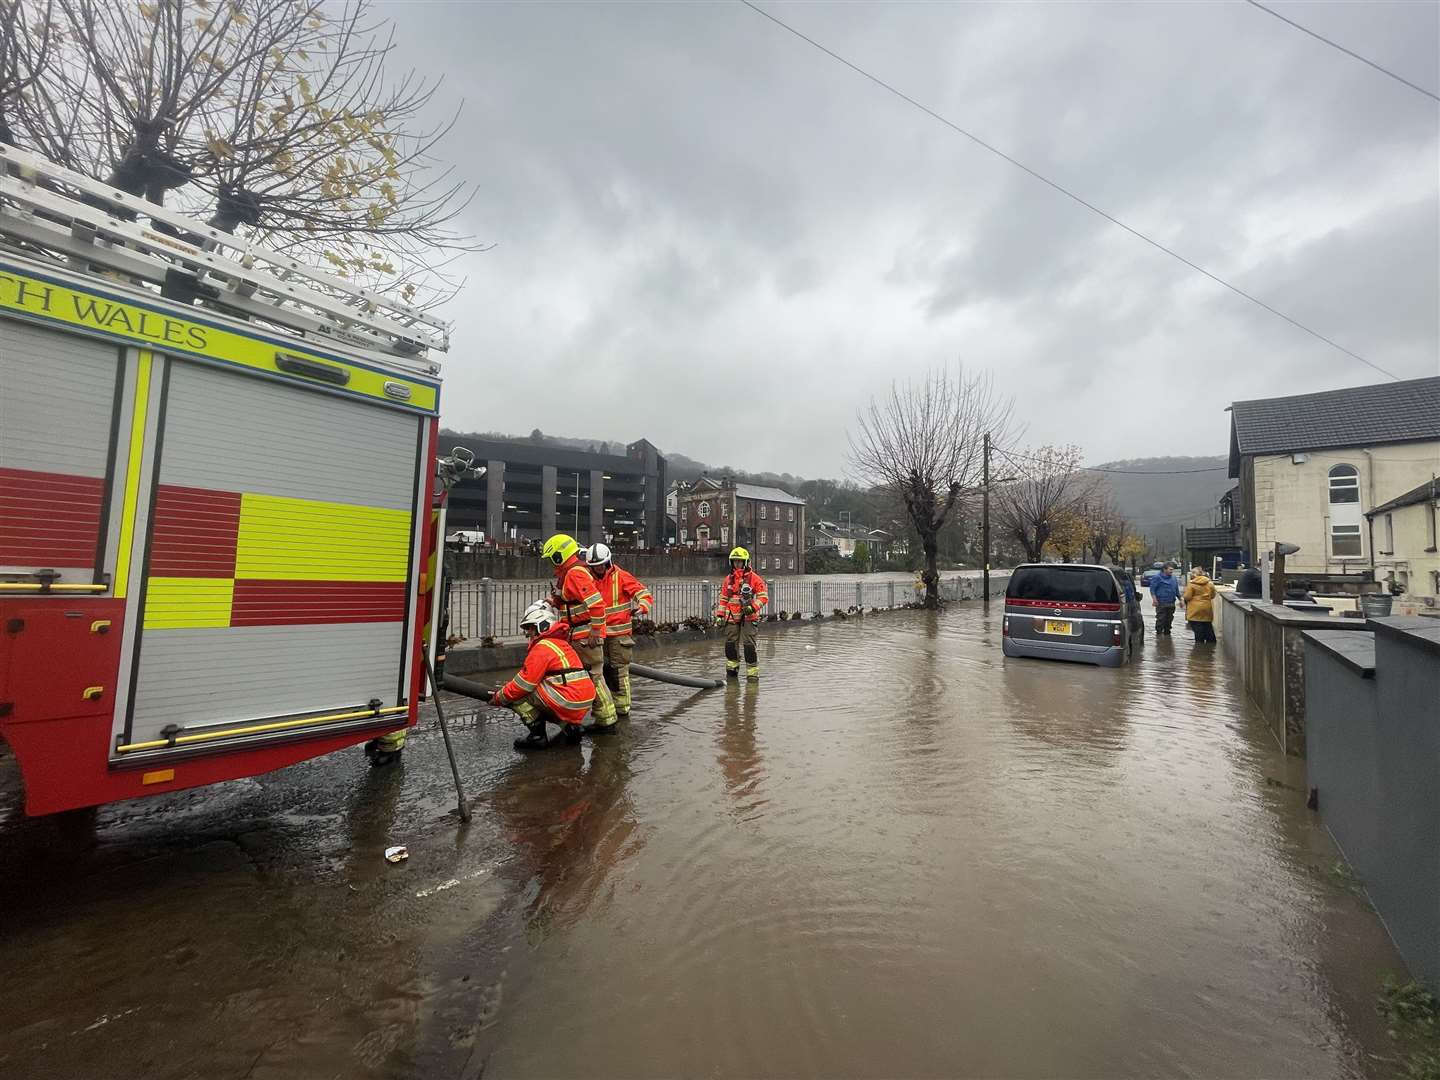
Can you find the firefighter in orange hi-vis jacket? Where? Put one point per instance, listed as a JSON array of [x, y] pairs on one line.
[[577, 599], [551, 685], [742, 597], [624, 598]]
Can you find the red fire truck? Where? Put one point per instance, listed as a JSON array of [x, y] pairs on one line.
[[216, 478]]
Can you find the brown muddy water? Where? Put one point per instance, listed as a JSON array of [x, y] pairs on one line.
[[899, 855]]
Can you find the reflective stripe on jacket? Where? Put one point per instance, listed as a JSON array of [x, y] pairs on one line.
[[729, 606], [623, 593], [577, 595], [553, 673]]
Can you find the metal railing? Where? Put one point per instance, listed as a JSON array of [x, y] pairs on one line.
[[492, 608]]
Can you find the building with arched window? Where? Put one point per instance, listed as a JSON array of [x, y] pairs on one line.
[[1312, 467]]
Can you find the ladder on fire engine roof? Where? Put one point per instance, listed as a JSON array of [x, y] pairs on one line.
[[90, 224]]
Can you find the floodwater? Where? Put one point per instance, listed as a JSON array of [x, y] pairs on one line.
[[899, 855]]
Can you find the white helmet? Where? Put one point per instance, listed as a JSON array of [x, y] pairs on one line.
[[597, 555], [540, 617]]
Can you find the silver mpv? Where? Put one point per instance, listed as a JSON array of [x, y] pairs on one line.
[[1071, 611]]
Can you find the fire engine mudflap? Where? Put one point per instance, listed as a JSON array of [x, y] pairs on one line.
[[212, 534]]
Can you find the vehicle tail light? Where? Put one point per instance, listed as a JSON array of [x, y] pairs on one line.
[[1005, 627], [1116, 628]]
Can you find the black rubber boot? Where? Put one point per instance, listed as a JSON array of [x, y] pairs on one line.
[[380, 758], [601, 729], [534, 739], [732, 673], [571, 734]]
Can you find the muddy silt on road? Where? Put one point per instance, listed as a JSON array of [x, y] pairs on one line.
[[898, 855]]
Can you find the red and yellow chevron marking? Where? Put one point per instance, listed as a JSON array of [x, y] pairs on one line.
[[222, 558]]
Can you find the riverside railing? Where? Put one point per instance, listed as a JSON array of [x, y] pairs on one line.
[[492, 608]]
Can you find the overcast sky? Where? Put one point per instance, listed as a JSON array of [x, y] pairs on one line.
[[712, 235]]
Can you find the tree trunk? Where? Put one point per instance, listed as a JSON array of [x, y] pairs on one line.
[[932, 575]]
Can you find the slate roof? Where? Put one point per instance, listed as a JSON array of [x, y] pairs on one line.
[[1426, 492], [771, 494], [1407, 411]]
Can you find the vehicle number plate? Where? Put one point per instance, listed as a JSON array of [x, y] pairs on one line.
[[1055, 626]]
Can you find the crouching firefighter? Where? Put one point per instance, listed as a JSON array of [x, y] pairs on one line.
[[552, 685], [742, 598], [624, 598], [577, 599]]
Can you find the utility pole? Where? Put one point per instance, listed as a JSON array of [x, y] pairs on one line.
[[985, 520]]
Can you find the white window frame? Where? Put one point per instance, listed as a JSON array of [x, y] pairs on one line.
[[764, 511], [1349, 477], [764, 537], [792, 562], [790, 537], [792, 518], [1347, 532], [762, 563]]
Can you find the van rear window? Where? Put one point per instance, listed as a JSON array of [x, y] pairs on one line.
[[1068, 584]]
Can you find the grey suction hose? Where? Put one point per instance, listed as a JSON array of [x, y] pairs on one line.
[[675, 680]]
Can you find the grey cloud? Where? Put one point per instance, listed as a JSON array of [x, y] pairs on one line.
[[692, 208]]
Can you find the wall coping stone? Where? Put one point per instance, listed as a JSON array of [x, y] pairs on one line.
[[1301, 620], [1355, 651], [1418, 630]]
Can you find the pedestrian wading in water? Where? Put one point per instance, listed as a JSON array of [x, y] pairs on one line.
[[1164, 591], [1199, 600]]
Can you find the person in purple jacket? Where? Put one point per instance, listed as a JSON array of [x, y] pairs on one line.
[[1164, 591]]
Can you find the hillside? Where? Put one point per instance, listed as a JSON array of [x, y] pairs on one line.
[[1158, 495]]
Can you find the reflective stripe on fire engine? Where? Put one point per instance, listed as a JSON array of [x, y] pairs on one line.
[[258, 729], [128, 507], [50, 301]]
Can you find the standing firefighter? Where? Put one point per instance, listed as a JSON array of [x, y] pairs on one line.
[[624, 598], [742, 597], [551, 685], [577, 598]]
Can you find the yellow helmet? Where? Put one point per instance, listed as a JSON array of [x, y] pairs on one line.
[[740, 553], [559, 548]]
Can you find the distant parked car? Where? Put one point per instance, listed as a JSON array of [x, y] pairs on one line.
[[1155, 568], [1070, 611]]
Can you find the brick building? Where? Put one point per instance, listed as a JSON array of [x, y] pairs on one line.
[[720, 514]]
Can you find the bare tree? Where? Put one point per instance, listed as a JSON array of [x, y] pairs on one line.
[[1027, 510], [275, 116], [922, 442]]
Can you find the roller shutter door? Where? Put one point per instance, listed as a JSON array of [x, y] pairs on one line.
[[57, 406], [278, 570]]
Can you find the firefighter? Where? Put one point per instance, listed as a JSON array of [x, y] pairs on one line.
[[386, 749], [551, 685], [624, 598], [742, 597], [577, 598]]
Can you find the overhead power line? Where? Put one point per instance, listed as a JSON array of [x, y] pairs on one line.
[[1064, 190], [1343, 49]]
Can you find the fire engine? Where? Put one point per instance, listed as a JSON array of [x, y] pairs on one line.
[[217, 492]]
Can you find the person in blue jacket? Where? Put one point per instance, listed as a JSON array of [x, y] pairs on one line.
[[1164, 591]]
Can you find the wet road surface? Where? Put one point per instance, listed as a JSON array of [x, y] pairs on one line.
[[899, 855]]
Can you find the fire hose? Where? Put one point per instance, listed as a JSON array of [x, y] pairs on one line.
[[675, 680], [456, 684]]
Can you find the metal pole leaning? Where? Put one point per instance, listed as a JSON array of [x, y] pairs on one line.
[[449, 749]]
